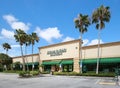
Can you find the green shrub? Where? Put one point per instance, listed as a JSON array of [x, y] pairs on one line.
[[24, 74], [101, 74], [66, 73], [28, 73], [34, 73]]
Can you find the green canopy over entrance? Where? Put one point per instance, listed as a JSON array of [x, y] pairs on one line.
[[57, 62], [110, 60], [89, 61], [67, 62], [102, 60]]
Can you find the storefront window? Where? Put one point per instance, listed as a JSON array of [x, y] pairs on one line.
[[47, 68], [67, 68]]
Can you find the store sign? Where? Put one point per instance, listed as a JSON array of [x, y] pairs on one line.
[[56, 52]]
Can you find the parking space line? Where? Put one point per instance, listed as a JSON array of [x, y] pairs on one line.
[[97, 81], [107, 83]]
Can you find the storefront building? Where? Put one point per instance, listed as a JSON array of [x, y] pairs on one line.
[[65, 57], [109, 57], [28, 61], [61, 57]]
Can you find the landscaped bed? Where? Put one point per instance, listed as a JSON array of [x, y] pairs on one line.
[[27, 74], [101, 74]]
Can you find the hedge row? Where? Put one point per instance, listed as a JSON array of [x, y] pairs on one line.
[[101, 74]]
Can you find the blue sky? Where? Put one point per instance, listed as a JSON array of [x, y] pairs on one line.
[[53, 21]]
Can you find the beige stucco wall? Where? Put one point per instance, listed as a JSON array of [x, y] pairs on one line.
[[106, 50], [17, 59], [111, 51], [28, 58], [72, 51]]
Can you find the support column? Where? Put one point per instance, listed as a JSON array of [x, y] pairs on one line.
[[41, 68], [76, 65]]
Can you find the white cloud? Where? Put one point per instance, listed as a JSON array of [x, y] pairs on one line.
[[14, 52], [1, 37], [68, 39], [1, 49], [85, 42], [7, 34], [15, 23], [20, 25], [10, 19], [95, 41], [48, 34], [15, 46]]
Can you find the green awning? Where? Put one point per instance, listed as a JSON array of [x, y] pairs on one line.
[[110, 60], [67, 62], [30, 63], [57, 62], [89, 61], [102, 60]]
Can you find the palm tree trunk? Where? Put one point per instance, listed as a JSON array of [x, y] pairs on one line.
[[98, 59], [6, 51], [23, 58], [81, 53], [26, 57], [32, 59], [6, 54]]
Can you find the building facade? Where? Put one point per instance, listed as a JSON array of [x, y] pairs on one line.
[[28, 61], [65, 57], [61, 57]]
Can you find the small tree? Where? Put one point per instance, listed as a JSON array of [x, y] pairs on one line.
[[17, 66], [5, 60]]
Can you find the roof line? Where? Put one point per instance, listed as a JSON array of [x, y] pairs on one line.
[[77, 40]]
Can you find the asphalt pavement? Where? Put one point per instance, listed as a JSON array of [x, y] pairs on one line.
[[8, 80]]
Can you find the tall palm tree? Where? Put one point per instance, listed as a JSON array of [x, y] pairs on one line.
[[99, 17], [6, 47], [20, 37], [27, 43], [34, 38], [82, 22]]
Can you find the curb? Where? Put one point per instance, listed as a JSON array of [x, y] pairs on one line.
[[107, 83]]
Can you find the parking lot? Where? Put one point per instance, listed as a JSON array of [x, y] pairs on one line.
[[8, 80]]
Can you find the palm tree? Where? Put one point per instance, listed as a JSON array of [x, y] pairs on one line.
[[82, 22], [20, 37], [6, 47], [27, 43], [99, 17], [33, 38]]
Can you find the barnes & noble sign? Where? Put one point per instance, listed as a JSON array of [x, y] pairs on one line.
[[56, 52]]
